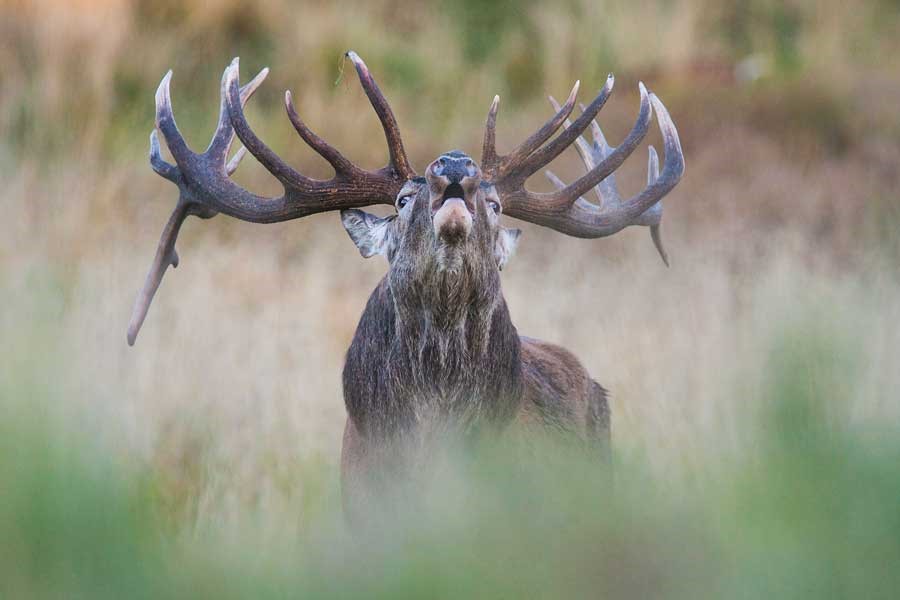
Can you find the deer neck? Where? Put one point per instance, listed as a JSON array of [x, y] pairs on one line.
[[456, 347], [449, 311], [418, 362]]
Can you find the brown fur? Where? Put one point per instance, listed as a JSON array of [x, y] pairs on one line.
[[559, 393], [436, 359], [558, 398]]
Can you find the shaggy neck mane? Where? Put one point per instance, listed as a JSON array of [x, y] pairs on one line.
[[447, 352], [444, 319]]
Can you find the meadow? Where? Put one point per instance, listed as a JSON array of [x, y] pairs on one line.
[[755, 386]]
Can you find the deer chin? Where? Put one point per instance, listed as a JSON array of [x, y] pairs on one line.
[[452, 226], [452, 222]]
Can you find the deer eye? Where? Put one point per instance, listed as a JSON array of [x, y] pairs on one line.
[[403, 201], [494, 206]]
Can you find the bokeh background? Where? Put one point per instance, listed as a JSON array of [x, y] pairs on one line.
[[754, 383]]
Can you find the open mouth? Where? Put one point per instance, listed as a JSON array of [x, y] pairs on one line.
[[454, 190], [452, 216]]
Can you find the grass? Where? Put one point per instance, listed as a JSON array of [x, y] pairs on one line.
[[754, 384], [807, 510]]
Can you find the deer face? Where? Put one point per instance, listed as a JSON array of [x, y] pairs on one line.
[[447, 222]]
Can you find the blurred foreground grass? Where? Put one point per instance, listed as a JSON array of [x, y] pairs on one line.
[[810, 511]]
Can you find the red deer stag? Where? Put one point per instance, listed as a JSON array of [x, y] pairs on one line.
[[435, 349]]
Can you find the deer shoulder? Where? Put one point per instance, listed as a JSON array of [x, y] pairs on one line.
[[559, 393]]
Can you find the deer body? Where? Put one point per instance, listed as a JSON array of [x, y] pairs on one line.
[[436, 356], [478, 372], [405, 393]]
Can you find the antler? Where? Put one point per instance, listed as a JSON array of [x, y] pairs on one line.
[[206, 190], [607, 191], [565, 210]]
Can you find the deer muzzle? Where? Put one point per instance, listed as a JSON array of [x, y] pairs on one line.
[[453, 221], [453, 181]]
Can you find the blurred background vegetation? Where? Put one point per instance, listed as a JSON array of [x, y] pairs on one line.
[[754, 384]]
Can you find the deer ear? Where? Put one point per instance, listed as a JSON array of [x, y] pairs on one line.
[[507, 240], [371, 234]]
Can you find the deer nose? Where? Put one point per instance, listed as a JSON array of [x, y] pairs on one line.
[[453, 175], [454, 169]]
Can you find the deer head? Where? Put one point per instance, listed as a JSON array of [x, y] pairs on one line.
[[445, 243], [447, 223], [451, 212]]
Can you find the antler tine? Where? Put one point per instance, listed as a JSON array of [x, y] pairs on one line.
[[673, 168], [489, 147], [165, 122], [271, 161], [158, 164], [341, 165], [652, 165], [583, 148], [607, 189], [509, 164], [599, 138], [554, 179], [398, 158], [224, 135], [611, 162], [165, 256], [232, 165], [653, 215], [548, 153]]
